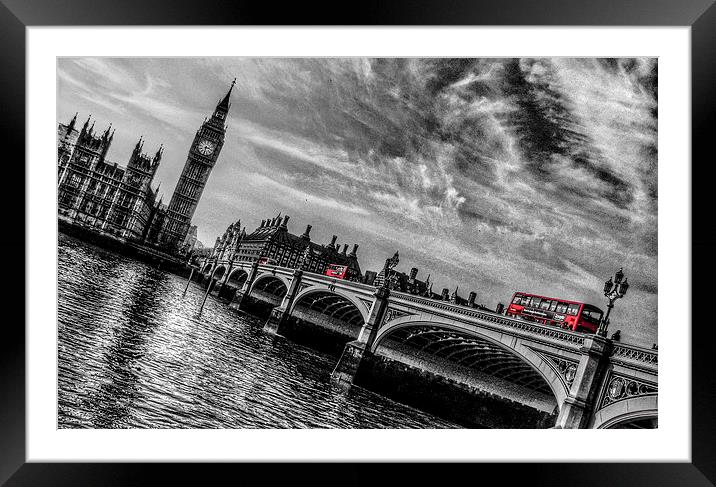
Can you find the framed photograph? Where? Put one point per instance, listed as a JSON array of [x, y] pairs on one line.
[[458, 234]]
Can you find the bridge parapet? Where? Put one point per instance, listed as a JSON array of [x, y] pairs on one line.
[[569, 338], [634, 355], [339, 283]]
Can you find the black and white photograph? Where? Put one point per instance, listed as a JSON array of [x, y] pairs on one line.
[[357, 243]]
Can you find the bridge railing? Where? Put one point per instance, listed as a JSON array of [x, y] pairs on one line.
[[547, 331], [632, 354], [315, 277], [322, 278]]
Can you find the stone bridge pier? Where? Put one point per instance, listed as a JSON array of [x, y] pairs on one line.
[[280, 314], [245, 289], [577, 407], [354, 352]]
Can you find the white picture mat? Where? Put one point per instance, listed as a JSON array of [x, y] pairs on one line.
[[670, 442]]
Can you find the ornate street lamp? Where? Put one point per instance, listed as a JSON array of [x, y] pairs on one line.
[[613, 290]]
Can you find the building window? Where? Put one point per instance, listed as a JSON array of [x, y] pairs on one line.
[[75, 180]]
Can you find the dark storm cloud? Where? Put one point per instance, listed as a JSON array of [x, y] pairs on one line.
[[494, 174]]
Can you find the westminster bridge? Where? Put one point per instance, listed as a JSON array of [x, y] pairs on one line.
[[581, 380]]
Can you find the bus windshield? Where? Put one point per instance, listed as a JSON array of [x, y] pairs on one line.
[[592, 315]]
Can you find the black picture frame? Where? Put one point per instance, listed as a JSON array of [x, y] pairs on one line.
[[700, 15]]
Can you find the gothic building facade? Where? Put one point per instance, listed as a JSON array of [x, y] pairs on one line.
[[101, 195], [272, 243], [120, 201]]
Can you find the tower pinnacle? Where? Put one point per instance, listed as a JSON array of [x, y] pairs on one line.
[[225, 102]]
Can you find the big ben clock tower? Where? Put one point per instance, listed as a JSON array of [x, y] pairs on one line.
[[203, 153]]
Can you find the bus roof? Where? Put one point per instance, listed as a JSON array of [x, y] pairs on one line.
[[593, 308], [547, 297]]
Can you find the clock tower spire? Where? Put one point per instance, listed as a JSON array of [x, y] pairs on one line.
[[202, 157]]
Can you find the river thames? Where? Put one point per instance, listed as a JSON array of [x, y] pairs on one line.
[[132, 353]]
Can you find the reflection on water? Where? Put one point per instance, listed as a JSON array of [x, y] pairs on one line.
[[132, 353]]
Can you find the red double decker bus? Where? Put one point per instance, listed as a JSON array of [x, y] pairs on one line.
[[551, 311], [337, 271]]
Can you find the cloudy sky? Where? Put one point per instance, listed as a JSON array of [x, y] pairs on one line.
[[494, 175]]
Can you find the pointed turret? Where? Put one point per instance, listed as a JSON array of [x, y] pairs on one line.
[[138, 146], [225, 104], [158, 155], [83, 132], [72, 123]]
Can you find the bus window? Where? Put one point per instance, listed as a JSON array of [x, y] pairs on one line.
[[518, 299], [561, 308], [535, 302], [592, 315], [545, 304], [573, 309], [553, 305]]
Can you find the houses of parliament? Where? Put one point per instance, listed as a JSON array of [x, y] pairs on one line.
[[121, 202]]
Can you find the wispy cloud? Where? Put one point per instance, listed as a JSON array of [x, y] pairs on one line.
[[493, 174], [290, 196]]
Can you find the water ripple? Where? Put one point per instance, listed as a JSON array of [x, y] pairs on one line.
[[132, 353]]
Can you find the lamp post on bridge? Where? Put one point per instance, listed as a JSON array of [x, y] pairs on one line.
[[613, 290]]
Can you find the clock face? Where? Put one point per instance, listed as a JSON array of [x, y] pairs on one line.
[[205, 147]]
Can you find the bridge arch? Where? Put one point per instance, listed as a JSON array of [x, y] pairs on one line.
[[207, 268], [218, 272], [318, 290], [492, 350], [627, 411], [237, 277], [329, 319], [270, 283]]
